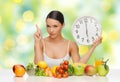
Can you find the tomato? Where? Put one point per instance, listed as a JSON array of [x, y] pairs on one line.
[[66, 67], [57, 68], [55, 75], [62, 66], [59, 76], [61, 71], [66, 72], [65, 75], [66, 62]]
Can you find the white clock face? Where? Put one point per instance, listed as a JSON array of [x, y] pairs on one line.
[[86, 29]]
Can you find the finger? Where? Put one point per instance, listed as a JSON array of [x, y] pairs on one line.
[[38, 29], [100, 39], [36, 35]]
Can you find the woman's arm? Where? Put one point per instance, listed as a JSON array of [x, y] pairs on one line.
[[75, 52], [38, 52], [38, 46], [87, 56]]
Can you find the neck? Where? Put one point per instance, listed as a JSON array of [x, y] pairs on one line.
[[58, 39]]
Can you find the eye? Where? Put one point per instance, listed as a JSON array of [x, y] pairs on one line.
[[48, 26], [55, 26]]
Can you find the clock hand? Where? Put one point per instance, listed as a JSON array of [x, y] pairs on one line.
[[86, 26], [86, 30]]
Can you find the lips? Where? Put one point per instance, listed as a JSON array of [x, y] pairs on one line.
[[52, 35]]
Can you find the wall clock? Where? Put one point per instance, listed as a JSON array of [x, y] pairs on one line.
[[85, 30]]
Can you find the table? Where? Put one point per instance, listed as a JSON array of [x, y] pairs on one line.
[[7, 75]]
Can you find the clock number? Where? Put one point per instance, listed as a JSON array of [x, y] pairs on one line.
[[96, 34], [78, 36], [77, 26], [76, 31], [88, 40], [96, 28], [81, 22], [82, 39], [93, 38]]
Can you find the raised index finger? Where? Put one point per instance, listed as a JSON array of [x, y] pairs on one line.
[[38, 30]]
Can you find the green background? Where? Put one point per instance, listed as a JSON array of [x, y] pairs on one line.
[[18, 19]]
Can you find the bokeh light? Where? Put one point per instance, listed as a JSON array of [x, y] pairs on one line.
[[22, 40], [20, 25], [28, 16], [113, 35], [0, 19], [18, 1], [106, 6], [9, 44], [83, 50], [9, 62], [104, 36]]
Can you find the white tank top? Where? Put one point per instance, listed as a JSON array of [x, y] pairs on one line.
[[55, 62]]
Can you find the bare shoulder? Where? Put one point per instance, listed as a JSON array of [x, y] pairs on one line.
[[73, 45]]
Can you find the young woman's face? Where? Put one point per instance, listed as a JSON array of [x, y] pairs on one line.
[[54, 27]]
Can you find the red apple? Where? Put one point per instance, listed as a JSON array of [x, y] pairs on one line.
[[90, 70], [19, 70]]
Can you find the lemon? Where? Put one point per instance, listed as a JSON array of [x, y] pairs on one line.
[[54, 69], [42, 64]]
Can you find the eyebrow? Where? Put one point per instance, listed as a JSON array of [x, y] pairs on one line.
[[52, 25]]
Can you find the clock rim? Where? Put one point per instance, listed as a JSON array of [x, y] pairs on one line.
[[100, 29]]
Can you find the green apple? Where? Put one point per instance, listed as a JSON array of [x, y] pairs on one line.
[[78, 70], [103, 69]]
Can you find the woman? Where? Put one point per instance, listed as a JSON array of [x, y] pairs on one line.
[[55, 48]]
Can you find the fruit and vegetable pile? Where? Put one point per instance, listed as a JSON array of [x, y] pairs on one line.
[[64, 70]]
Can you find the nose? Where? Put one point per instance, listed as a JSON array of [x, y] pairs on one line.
[[51, 29]]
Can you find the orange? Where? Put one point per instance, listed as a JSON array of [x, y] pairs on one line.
[[48, 71], [98, 62], [19, 70]]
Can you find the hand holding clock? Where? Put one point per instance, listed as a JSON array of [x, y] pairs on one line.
[[97, 41]]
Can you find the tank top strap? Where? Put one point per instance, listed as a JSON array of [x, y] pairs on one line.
[[43, 45], [68, 47]]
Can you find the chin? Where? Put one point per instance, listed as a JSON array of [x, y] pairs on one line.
[[52, 37]]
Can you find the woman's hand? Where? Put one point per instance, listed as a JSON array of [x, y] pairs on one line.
[[97, 41], [38, 34]]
